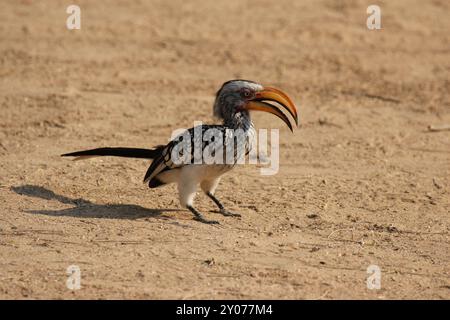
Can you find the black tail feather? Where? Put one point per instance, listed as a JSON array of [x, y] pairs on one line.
[[117, 152]]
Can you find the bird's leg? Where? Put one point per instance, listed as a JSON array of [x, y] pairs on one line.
[[187, 188], [222, 209], [200, 217]]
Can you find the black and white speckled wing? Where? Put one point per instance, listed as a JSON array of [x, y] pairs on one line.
[[221, 140], [165, 162]]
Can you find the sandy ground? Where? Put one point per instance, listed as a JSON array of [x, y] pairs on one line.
[[362, 182]]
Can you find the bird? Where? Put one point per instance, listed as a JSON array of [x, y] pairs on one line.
[[230, 140]]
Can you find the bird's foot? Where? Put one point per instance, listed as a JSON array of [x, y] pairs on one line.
[[204, 220], [199, 217], [227, 213]]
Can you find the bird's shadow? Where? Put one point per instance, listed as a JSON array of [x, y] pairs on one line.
[[86, 209]]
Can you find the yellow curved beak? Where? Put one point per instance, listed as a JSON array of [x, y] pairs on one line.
[[260, 103]]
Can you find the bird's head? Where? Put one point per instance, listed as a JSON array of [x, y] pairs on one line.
[[237, 97]]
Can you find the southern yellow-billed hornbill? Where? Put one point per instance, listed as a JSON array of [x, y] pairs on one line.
[[232, 105]]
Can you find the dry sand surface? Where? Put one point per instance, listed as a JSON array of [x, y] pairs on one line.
[[362, 182]]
